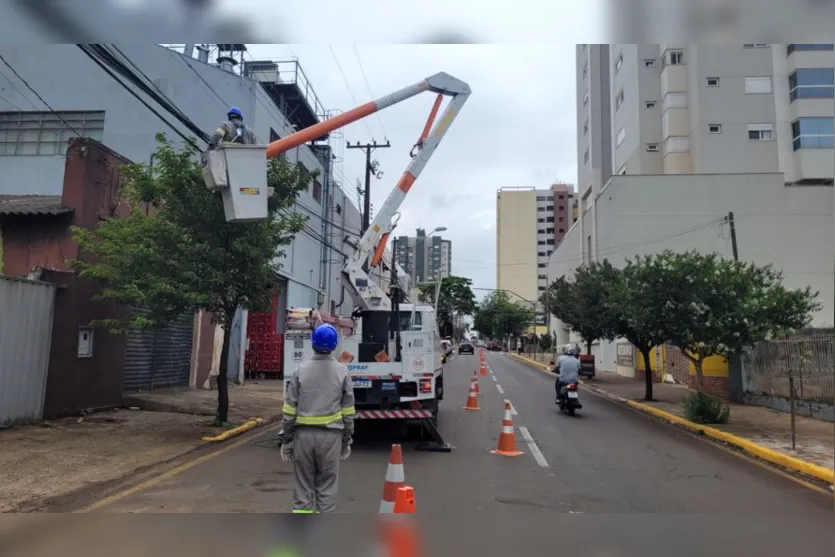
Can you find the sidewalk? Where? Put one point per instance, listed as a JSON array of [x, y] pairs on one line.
[[754, 426], [40, 462]]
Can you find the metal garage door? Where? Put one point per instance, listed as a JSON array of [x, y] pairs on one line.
[[159, 359]]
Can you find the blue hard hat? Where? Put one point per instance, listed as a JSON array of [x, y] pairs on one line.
[[324, 338], [235, 111]]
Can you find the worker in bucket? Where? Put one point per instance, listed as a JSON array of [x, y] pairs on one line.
[[233, 130], [318, 424]]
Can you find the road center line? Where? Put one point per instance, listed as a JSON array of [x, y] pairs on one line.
[[499, 387], [512, 409], [537, 454], [493, 377]]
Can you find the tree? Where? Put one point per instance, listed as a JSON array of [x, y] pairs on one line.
[[583, 303], [499, 317], [722, 306], [638, 297], [184, 256]]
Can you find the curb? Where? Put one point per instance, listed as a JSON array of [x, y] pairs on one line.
[[534, 363], [758, 451], [234, 432]]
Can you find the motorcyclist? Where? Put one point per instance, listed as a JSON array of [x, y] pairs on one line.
[[567, 369]]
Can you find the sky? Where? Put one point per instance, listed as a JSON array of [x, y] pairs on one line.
[[517, 129]]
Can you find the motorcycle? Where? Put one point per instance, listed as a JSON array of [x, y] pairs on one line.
[[569, 399]]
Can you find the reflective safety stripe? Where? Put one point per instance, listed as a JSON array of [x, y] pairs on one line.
[[289, 410], [304, 511], [318, 420], [348, 410]]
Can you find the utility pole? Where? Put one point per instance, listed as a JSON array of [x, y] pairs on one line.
[[732, 226], [369, 169]]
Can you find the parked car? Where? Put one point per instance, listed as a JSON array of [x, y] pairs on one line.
[[466, 348]]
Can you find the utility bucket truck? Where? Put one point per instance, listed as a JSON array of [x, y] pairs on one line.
[[394, 352]]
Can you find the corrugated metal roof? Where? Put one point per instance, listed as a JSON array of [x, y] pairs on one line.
[[32, 205]]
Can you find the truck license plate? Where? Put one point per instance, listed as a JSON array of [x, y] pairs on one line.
[[362, 383], [572, 394]]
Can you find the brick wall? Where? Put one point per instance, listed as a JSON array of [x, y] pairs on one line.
[[716, 386], [677, 364]]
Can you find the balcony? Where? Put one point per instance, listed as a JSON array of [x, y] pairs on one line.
[[287, 85]]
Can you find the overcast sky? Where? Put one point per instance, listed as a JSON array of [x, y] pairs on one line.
[[517, 129]]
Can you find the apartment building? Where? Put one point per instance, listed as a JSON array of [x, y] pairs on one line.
[[426, 258], [705, 109], [530, 223]]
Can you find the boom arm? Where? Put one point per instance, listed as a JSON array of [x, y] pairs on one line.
[[365, 293]]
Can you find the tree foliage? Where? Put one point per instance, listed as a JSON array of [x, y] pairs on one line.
[[182, 256], [499, 317], [718, 306], [455, 297], [583, 302]]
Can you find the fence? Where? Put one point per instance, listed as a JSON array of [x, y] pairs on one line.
[[25, 338], [805, 360]]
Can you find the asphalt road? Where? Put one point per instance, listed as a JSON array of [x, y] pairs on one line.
[[607, 478]]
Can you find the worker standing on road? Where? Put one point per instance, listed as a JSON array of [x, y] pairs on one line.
[[318, 424], [233, 130]]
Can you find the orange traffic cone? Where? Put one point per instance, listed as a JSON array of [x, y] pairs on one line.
[[399, 538], [404, 502], [507, 438], [483, 370], [472, 398], [395, 479], [474, 383]]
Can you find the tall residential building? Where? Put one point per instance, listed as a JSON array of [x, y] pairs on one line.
[[530, 222], [425, 258], [705, 109]]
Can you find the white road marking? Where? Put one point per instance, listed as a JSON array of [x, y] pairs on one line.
[[537, 454], [512, 409], [501, 391], [493, 377]]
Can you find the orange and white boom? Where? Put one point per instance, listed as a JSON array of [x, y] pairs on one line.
[[365, 294]]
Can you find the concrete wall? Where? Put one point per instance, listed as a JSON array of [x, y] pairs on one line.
[[516, 248], [68, 80]]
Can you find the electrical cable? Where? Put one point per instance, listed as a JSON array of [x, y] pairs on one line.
[[26, 83], [347, 86], [370, 94], [107, 70]]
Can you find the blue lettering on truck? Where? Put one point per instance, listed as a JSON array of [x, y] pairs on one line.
[[355, 367]]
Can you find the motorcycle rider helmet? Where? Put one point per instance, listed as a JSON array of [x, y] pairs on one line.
[[568, 350], [324, 339]]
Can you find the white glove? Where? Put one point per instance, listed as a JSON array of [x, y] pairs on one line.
[[287, 453], [346, 452]]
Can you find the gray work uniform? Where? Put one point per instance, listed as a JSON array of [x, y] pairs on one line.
[[319, 421], [232, 132]]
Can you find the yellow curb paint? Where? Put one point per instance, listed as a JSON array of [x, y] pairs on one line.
[[534, 363], [769, 455], [172, 473], [228, 434]]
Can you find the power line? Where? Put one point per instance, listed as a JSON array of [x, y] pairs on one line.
[[348, 86], [368, 88], [26, 83], [198, 74]]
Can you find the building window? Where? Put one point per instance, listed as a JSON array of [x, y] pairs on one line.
[[813, 83], [757, 85], [674, 58], [586, 98], [542, 277], [562, 219], [714, 128], [317, 191], [621, 136], [561, 196], [650, 104], [649, 62], [550, 252], [541, 231], [549, 219], [46, 133], [586, 127], [792, 47], [619, 63], [562, 230], [813, 133], [713, 82], [551, 242], [619, 100], [541, 265], [550, 230], [652, 147], [541, 254], [756, 45], [761, 132], [586, 156]]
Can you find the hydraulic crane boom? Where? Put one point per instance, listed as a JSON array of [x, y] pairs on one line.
[[365, 293]]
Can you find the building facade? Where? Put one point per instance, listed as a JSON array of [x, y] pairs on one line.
[[705, 109], [84, 100], [425, 258]]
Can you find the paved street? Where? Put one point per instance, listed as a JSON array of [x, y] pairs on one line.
[[608, 459]]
